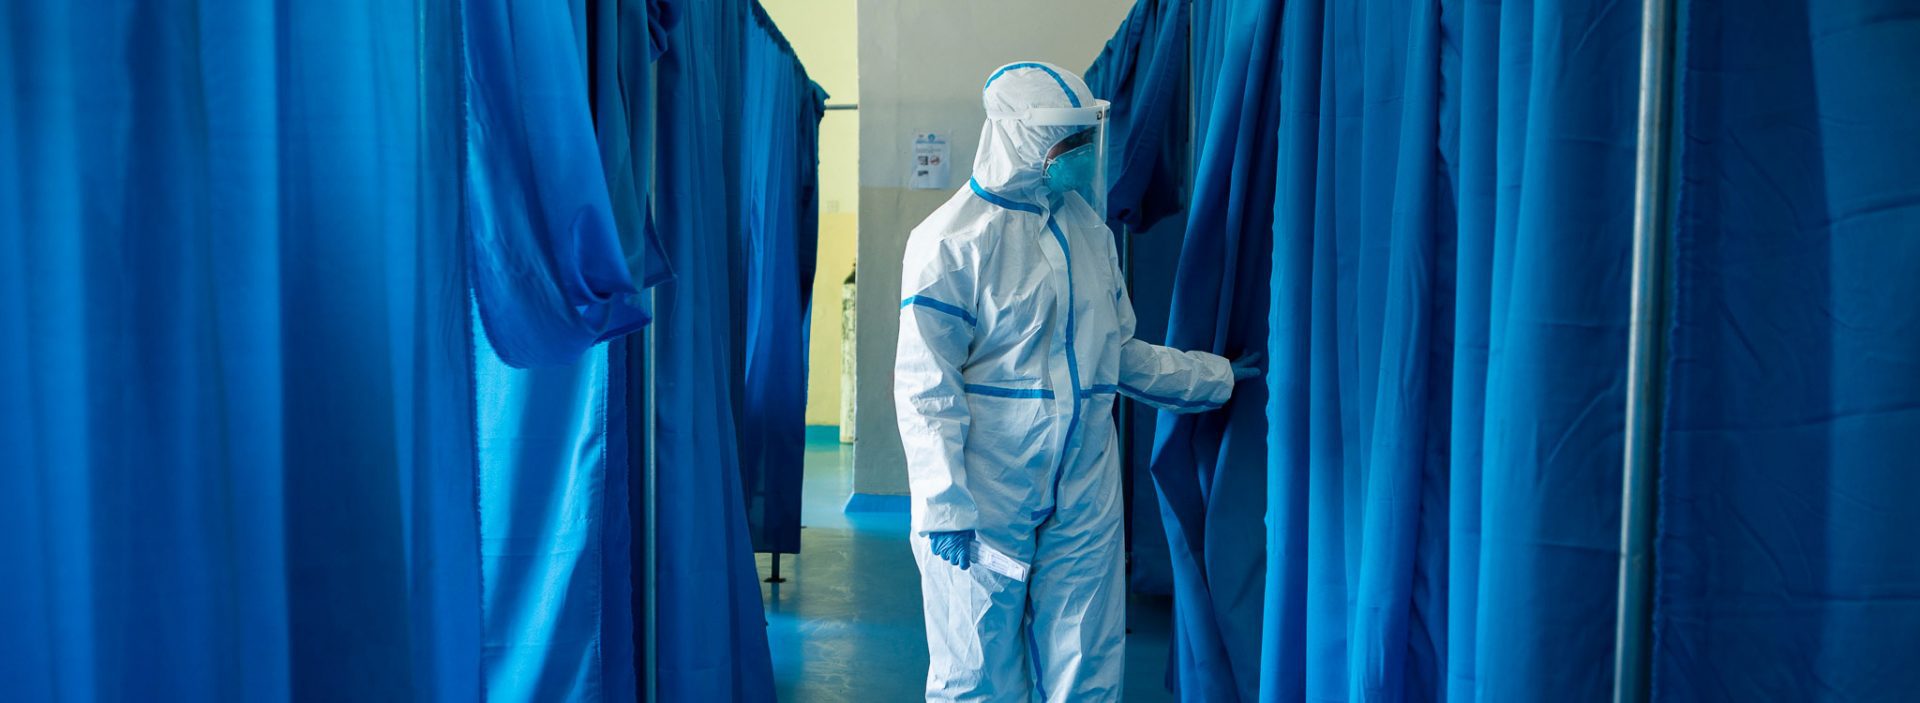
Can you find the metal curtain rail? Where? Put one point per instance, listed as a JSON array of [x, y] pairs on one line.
[[1652, 234]]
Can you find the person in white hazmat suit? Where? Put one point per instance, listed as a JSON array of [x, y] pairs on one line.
[[1016, 334]]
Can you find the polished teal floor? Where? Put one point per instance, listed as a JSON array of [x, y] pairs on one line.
[[846, 624]]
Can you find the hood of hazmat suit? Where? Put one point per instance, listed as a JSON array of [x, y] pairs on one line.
[[1016, 336]]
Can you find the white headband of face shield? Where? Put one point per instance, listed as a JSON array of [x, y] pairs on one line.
[[1056, 116]]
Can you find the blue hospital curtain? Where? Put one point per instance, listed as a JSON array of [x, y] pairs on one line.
[[1786, 564], [1212, 23], [711, 624], [234, 401], [778, 173], [1153, 254], [1143, 72], [625, 37], [1448, 333], [549, 272], [554, 93], [1209, 468], [556, 584]]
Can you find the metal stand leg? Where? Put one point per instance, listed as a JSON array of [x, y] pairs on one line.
[[775, 578]]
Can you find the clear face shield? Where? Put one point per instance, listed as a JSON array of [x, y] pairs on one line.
[[1077, 162]]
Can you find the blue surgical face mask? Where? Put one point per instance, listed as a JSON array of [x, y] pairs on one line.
[[1072, 171]]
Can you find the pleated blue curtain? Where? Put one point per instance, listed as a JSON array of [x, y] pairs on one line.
[[1359, 466], [556, 596], [1143, 72], [241, 414], [1446, 432], [1449, 327], [711, 624], [1212, 23], [549, 271], [778, 172], [625, 38], [1149, 562], [564, 94], [235, 420], [1209, 468], [1448, 335], [1787, 506], [562, 445]]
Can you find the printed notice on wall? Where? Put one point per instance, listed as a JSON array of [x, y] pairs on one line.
[[930, 162]]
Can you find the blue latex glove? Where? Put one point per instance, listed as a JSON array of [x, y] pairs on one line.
[[953, 547], [1248, 367]]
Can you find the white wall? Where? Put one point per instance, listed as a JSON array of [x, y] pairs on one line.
[[922, 64]]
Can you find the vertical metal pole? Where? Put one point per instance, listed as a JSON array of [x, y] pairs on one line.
[[650, 410], [1652, 231], [1126, 410], [650, 414]]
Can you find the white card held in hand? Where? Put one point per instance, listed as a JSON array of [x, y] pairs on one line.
[[997, 561]]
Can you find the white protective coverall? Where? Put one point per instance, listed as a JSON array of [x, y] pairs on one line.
[[1015, 334]]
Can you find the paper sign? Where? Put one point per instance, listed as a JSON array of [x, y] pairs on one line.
[[930, 162], [997, 561]]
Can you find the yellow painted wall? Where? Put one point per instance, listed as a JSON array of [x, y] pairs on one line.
[[823, 33]]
